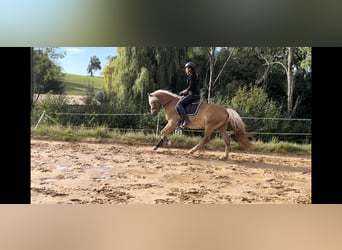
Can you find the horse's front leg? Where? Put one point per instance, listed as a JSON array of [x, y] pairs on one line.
[[164, 138], [170, 126]]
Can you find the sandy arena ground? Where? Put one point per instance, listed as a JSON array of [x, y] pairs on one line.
[[112, 173]]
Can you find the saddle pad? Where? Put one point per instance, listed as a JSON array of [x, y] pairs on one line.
[[192, 108]]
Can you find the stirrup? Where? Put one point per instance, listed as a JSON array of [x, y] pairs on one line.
[[184, 124]]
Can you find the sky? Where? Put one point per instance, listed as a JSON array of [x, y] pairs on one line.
[[77, 59]]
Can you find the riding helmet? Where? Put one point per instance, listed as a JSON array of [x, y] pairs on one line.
[[190, 64]]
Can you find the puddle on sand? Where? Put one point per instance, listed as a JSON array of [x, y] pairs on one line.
[[60, 167], [48, 180], [103, 171]]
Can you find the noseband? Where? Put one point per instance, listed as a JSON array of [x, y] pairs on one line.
[[156, 101]]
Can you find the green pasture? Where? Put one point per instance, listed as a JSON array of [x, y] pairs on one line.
[[77, 84]]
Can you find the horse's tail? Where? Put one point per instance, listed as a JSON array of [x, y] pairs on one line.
[[238, 126]]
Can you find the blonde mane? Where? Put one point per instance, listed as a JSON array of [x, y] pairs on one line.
[[165, 92]]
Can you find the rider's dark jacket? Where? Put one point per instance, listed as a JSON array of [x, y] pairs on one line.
[[193, 84]]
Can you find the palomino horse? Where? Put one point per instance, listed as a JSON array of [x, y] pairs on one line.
[[209, 116]]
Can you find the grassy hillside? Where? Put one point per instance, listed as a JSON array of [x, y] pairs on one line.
[[77, 84]]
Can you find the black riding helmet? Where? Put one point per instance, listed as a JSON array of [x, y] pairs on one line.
[[190, 64]]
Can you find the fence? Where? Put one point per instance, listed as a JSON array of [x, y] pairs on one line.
[[260, 128]]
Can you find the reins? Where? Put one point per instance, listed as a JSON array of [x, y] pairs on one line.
[[163, 105]]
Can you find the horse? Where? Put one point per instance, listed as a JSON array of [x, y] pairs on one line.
[[209, 117]]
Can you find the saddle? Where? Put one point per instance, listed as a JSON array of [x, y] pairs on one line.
[[192, 108]]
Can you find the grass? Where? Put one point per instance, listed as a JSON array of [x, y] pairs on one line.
[[77, 84], [103, 134]]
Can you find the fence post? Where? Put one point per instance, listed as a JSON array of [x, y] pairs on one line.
[[157, 129], [178, 131], [40, 118]]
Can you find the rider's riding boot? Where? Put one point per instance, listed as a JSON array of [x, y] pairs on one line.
[[185, 117], [185, 123]]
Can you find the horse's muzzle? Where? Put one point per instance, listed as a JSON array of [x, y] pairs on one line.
[[154, 112]]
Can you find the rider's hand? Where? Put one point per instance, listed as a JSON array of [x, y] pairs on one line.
[[183, 92]]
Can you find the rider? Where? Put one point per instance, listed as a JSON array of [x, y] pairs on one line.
[[191, 93]]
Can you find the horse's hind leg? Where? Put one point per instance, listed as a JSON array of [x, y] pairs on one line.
[[205, 140], [226, 139]]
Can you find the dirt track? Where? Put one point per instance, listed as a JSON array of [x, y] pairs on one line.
[[97, 173]]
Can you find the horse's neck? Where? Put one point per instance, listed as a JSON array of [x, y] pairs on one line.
[[165, 99]]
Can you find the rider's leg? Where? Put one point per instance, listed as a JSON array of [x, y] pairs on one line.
[[181, 108], [184, 115], [180, 121]]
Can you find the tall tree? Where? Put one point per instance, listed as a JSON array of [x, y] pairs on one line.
[[139, 70], [290, 59], [212, 61], [46, 73], [212, 77], [94, 64]]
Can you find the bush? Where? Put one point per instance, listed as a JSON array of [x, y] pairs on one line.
[[93, 115]]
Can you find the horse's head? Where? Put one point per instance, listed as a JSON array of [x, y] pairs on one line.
[[154, 104]]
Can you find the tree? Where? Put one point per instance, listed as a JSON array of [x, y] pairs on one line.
[[212, 61], [46, 73], [137, 71], [291, 59], [94, 65]]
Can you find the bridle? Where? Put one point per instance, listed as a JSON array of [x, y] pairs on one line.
[[153, 108], [160, 105]]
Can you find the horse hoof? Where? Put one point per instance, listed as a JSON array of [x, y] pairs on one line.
[[155, 147]]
